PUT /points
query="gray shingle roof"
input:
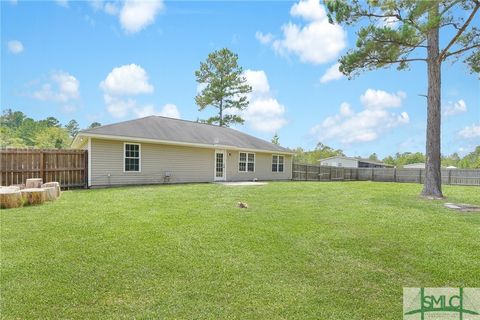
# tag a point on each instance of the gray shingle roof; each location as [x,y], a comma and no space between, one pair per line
[183,131]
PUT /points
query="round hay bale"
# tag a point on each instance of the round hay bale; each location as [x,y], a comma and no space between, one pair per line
[19,186]
[10,198]
[33,196]
[55,185]
[50,193]
[10,188]
[34,183]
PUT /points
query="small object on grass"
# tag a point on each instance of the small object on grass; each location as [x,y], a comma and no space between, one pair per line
[34,183]
[10,198]
[33,196]
[242,205]
[462,207]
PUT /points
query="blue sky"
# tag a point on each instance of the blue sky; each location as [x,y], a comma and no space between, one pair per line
[114,61]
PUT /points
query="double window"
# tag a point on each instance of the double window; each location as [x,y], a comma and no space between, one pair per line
[131,157]
[277,163]
[246,162]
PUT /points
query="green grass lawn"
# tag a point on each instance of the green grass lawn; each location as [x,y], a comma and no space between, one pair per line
[300,251]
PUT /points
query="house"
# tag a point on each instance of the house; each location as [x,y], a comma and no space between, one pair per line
[421,165]
[418,165]
[156,149]
[349,162]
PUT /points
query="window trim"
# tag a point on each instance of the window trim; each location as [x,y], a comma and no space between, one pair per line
[246,161]
[139,157]
[278,163]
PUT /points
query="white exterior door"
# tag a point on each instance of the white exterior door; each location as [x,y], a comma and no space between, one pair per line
[220,167]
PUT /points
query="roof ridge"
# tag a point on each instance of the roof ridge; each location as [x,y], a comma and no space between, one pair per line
[116,123]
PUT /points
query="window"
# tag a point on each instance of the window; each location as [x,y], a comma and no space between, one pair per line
[277,163]
[246,162]
[132,157]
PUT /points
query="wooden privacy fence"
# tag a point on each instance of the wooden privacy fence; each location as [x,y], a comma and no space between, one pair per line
[308,172]
[68,167]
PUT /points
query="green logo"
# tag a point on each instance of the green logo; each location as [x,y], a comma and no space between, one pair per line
[441,303]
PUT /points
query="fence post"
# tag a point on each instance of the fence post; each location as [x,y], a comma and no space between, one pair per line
[420,176]
[394,174]
[42,171]
[449,176]
[373,176]
[329,173]
[85,171]
[318,177]
[306,172]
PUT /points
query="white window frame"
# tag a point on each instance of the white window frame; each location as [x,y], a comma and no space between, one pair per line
[278,163]
[139,157]
[246,161]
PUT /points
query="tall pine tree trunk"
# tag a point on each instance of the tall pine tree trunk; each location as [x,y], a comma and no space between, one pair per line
[433,180]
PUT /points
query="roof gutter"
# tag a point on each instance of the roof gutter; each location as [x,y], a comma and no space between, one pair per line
[79,138]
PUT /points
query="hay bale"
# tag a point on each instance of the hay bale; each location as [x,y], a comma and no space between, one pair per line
[33,196]
[50,193]
[34,183]
[10,198]
[19,186]
[11,188]
[55,185]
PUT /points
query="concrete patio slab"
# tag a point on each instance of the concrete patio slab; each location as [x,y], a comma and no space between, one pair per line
[243,183]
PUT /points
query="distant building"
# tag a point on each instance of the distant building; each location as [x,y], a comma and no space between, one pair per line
[421,165]
[348,162]
[418,165]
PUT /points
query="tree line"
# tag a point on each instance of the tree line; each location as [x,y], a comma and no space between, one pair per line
[17,130]
[322,151]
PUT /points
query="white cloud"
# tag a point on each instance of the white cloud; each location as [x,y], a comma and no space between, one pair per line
[62,87]
[129,79]
[15,46]
[119,107]
[111,8]
[68,108]
[316,42]
[346,110]
[62,3]
[136,15]
[310,10]
[121,85]
[264,113]
[200,87]
[454,108]
[367,125]
[379,99]
[258,81]
[264,38]
[169,110]
[332,73]
[470,132]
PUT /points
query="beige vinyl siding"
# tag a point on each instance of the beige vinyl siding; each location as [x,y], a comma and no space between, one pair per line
[185,164]
[263,167]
